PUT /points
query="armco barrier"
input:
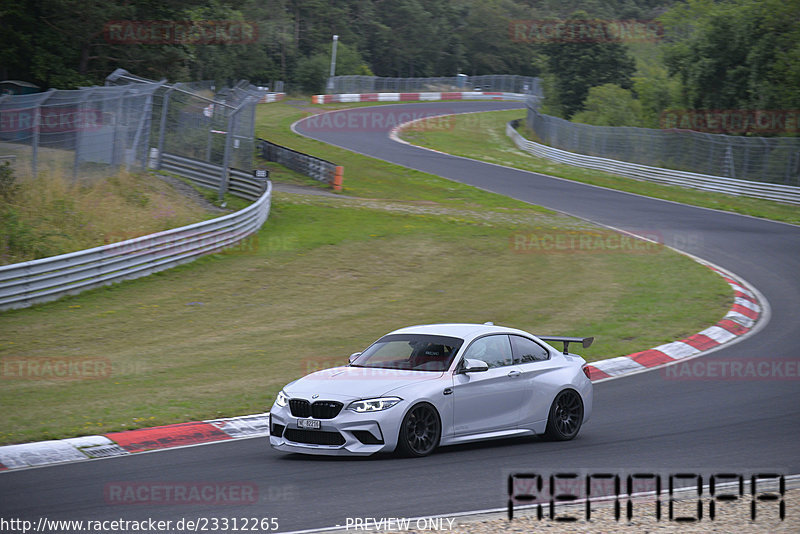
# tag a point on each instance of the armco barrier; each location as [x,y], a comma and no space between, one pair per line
[204,174]
[31,282]
[705,182]
[316,168]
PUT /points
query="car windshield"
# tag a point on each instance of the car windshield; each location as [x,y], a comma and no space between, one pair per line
[418,352]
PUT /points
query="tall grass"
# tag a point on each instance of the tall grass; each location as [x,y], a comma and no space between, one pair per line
[52,214]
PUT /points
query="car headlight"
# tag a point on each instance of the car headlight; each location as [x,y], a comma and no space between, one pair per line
[281,400]
[373,405]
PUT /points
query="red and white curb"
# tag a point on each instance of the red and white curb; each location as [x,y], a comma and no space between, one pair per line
[132,441]
[748,307]
[414,97]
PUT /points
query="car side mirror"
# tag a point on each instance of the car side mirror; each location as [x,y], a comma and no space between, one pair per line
[353,357]
[475,366]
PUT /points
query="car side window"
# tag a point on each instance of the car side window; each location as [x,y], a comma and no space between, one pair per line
[526,350]
[495,350]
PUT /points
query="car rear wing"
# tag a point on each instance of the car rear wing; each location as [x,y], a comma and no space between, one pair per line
[585,341]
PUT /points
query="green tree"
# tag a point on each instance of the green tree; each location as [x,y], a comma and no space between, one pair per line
[656,91]
[577,66]
[312,72]
[610,105]
[736,54]
[60,43]
[489,46]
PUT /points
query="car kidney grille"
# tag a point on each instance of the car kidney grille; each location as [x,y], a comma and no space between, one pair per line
[317,410]
[326,409]
[313,437]
[300,407]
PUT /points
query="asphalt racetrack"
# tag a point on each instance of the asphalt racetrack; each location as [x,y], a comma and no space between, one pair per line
[646,422]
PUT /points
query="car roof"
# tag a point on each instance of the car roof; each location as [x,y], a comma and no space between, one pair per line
[466,331]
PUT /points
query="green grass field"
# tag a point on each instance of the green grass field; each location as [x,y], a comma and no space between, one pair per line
[323,278]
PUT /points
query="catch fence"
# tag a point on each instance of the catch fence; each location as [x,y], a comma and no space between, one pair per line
[130,123]
[763,159]
[505,83]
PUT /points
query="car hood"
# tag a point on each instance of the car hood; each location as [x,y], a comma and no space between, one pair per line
[352,383]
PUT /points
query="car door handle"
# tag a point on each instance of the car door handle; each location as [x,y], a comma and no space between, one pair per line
[514,374]
[448,391]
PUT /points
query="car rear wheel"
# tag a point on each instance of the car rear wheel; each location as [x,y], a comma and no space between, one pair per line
[566,416]
[420,431]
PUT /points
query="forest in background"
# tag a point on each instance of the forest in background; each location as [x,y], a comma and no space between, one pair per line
[732,54]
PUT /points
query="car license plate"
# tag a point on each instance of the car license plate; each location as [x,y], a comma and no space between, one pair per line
[308,424]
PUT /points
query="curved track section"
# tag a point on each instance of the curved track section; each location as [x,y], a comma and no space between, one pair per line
[644,421]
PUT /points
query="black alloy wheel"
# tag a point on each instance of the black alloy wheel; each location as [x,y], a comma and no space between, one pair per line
[566,416]
[420,431]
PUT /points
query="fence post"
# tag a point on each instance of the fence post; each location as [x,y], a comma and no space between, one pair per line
[792,162]
[223,181]
[144,126]
[209,137]
[81,104]
[37,121]
[117,123]
[162,126]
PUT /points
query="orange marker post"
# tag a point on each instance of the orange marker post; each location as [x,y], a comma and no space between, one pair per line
[338,178]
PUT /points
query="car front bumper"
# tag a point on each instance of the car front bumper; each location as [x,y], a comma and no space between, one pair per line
[348,432]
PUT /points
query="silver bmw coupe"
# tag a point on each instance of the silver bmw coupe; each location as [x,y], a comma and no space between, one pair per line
[422,387]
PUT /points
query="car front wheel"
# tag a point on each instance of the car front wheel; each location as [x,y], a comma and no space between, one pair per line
[566,416]
[420,431]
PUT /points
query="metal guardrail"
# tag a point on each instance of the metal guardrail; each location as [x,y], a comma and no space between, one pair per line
[316,168]
[705,182]
[43,280]
[204,174]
